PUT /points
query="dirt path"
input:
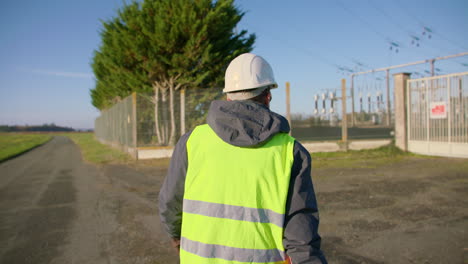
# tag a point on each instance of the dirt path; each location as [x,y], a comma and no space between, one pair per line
[413,211]
[56,209]
[37,203]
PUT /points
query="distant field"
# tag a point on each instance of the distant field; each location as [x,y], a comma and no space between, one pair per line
[95,152]
[13,144]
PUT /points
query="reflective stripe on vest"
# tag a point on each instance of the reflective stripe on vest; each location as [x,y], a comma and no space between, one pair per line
[233,212]
[234,200]
[231,253]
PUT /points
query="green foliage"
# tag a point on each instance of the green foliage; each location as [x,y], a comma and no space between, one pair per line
[197,104]
[171,43]
[12,144]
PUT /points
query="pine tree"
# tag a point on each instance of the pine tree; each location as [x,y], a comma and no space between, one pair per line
[165,46]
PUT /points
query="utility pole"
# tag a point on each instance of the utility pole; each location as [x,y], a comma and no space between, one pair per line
[344,119]
[388,97]
[352,102]
[432,67]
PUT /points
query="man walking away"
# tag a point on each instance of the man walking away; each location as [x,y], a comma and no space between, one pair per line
[239,188]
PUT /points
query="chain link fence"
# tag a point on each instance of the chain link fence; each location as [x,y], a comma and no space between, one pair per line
[131,123]
[115,126]
[324,122]
[189,109]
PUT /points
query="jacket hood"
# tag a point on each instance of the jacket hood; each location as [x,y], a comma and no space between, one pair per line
[245,123]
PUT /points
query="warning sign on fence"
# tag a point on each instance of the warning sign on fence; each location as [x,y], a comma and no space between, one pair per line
[438,110]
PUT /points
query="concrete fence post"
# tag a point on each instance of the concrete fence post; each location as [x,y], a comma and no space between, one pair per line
[182,112]
[134,126]
[400,81]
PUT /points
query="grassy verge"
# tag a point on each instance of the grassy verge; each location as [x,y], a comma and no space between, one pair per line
[13,144]
[370,158]
[95,152]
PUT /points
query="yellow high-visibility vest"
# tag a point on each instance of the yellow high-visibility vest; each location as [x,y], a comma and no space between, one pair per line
[235,200]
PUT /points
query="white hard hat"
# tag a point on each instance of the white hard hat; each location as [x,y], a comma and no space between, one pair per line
[248,71]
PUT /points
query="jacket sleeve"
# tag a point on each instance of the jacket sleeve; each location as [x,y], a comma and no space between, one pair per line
[301,239]
[172,191]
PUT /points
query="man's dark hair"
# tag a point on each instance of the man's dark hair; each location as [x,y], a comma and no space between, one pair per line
[260,98]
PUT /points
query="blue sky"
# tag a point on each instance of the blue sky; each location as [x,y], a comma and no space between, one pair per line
[46,48]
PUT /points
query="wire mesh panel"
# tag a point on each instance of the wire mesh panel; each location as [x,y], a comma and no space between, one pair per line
[418,114]
[325,120]
[459,108]
[176,115]
[197,103]
[371,100]
[115,125]
[438,115]
[163,129]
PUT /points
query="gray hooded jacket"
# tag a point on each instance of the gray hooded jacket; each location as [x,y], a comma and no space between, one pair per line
[248,124]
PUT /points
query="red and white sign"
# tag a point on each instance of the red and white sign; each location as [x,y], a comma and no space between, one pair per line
[438,110]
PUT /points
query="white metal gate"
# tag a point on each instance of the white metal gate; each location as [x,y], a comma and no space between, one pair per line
[438,115]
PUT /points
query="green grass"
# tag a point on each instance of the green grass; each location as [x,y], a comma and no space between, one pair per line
[13,144]
[370,158]
[95,152]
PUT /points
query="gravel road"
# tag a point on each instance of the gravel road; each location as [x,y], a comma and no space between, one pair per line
[55,208]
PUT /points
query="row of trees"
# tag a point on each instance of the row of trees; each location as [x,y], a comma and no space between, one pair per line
[161,46]
[43,128]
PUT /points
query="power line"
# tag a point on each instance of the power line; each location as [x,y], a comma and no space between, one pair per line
[415,39]
[394,45]
[289,44]
[399,26]
[339,67]
[426,29]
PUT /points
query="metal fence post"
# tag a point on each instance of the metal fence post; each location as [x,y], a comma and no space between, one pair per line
[387,84]
[288,106]
[449,111]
